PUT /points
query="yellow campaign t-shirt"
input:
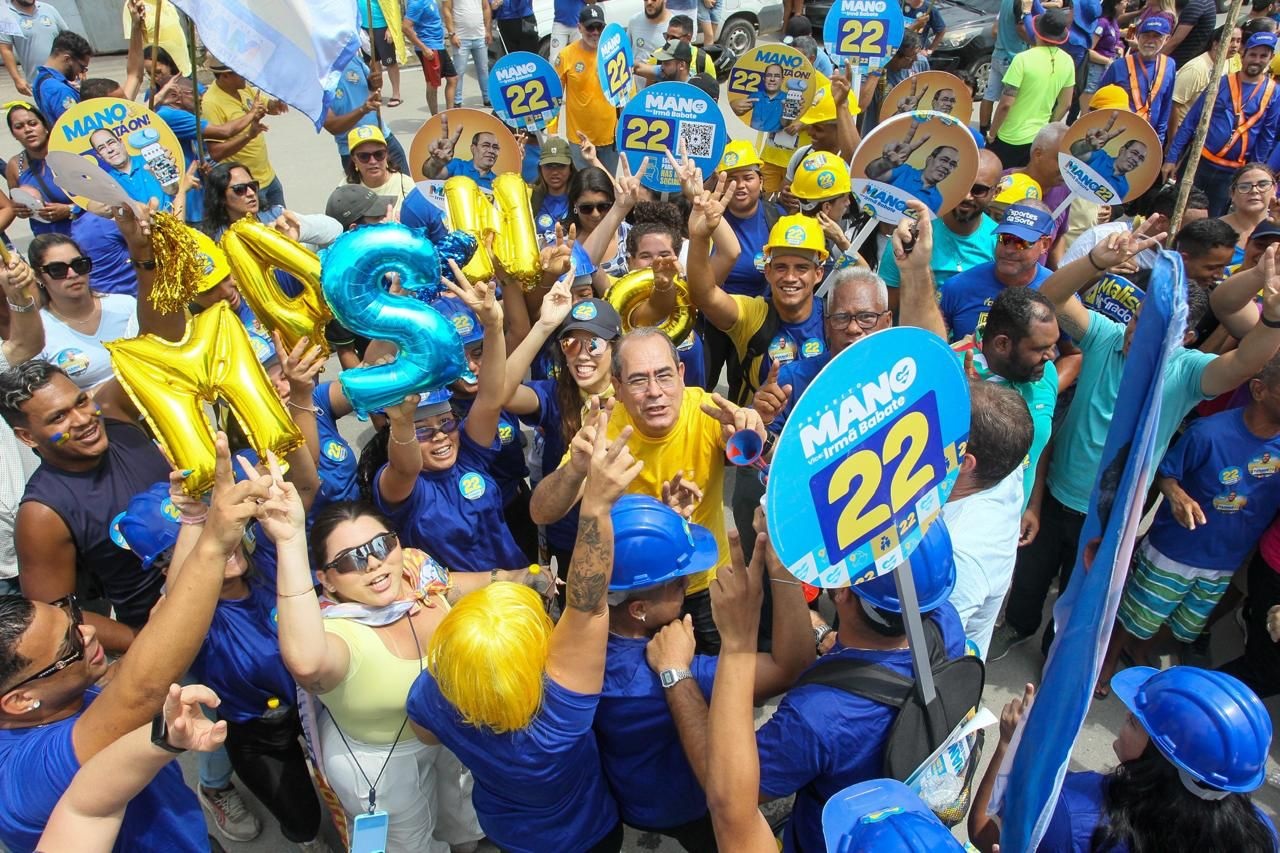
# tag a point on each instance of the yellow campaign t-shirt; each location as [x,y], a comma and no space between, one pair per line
[585,107]
[219,108]
[1040,73]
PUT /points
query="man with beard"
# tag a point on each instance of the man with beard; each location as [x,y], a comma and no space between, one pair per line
[1147,75]
[1113,170]
[586,110]
[892,168]
[484,154]
[648,32]
[1242,125]
[766,104]
[963,238]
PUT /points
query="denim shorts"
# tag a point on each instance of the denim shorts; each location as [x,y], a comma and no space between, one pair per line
[715,14]
[995,81]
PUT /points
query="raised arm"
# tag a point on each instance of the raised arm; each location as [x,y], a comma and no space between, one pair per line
[26,330]
[793,647]
[1232,301]
[984,831]
[557,492]
[600,245]
[135,224]
[706,293]
[578,641]
[912,247]
[482,421]
[555,307]
[133,61]
[165,647]
[1257,347]
[1061,287]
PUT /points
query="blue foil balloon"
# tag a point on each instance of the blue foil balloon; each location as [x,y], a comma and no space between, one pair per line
[458,246]
[431,353]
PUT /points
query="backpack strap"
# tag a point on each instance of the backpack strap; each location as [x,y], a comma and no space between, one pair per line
[757,346]
[871,680]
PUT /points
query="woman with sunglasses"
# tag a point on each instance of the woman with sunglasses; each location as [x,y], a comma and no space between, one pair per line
[438,485]
[76,318]
[357,644]
[591,196]
[1253,191]
[370,167]
[231,193]
[30,177]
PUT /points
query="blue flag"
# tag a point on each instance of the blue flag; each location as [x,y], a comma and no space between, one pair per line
[293,50]
[1033,773]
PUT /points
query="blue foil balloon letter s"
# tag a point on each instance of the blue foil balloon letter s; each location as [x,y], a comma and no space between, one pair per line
[430,350]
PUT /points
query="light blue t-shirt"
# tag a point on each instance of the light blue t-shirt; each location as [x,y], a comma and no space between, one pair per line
[1008,44]
[349,96]
[1078,451]
[909,179]
[379,20]
[952,253]
[766,111]
[1105,165]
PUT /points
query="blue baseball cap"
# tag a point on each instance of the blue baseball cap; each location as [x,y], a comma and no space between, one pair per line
[149,525]
[1155,25]
[462,318]
[434,403]
[1267,40]
[883,815]
[1026,222]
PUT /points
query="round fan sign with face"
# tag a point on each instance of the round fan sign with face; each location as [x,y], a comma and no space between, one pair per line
[927,156]
[936,91]
[478,146]
[1110,156]
[867,458]
[770,87]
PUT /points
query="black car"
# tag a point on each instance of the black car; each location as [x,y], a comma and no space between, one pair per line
[966,47]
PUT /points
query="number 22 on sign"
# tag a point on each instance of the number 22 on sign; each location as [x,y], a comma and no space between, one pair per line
[646,134]
[617,71]
[881,493]
[859,37]
[527,97]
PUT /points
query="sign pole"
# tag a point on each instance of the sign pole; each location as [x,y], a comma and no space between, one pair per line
[915,631]
[195,84]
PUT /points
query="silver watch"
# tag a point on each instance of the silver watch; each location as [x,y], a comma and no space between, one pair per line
[671,677]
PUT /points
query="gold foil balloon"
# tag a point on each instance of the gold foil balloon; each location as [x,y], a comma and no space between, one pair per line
[171,382]
[626,294]
[255,251]
[470,211]
[516,244]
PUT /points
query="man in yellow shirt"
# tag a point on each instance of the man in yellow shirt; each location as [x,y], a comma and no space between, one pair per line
[586,110]
[230,98]
[678,433]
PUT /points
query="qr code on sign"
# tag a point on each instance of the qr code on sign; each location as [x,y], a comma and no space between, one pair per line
[698,136]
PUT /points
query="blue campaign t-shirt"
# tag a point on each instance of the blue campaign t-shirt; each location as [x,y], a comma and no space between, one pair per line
[967,296]
[456,515]
[467,169]
[183,125]
[792,342]
[1231,474]
[909,179]
[165,815]
[102,241]
[351,93]
[691,356]
[417,212]
[797,374]
[240,659]
[537,789]
[746,276]
[510,469]
[425,16]
[766,111]
[515,9]
[337,465]
[935,24]
[53,93]
[561,534]
[639,746]
[566,12]
[822,739]
[554,208]
[952,253]
[140,184]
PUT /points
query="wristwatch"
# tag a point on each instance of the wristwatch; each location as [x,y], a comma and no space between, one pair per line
[671,677]
[160,735]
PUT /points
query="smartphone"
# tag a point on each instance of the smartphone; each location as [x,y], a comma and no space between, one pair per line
[369,833]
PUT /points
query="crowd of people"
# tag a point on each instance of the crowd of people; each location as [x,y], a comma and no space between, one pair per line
[539,605]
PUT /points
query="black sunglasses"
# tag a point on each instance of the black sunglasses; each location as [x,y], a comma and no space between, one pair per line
[600,207]
[594,28]
[357,559]
[74,640]
[61,269]
[979,190]
[241,189]
[378,154]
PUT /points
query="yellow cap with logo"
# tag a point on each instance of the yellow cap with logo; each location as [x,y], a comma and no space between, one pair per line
[1015,187]
[821,176]
[365,133]
[796,233]
[739,154]
[213,261]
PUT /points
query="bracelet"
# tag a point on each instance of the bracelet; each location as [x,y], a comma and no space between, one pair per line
[148,264]
[1270,324]
[315,410]
[493,576]
[820,633]
[22,309]
[395,440]
[1095,263]
[294,594]
[192,519]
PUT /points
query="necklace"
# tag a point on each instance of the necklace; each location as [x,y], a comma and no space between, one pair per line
[93,319]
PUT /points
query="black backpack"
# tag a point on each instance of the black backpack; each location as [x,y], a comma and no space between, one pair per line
[919,729]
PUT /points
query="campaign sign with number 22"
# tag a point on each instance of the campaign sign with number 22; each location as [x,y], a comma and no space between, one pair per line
[866,31]
[526,91]
[613,65]
[867,458]
[670,116]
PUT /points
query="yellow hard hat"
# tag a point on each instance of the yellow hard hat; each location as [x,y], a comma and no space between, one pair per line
[821,176]
[822,109]
[365,133]
[1015,187]
[739,154]
[213,261]
[797,233]
[1109,97]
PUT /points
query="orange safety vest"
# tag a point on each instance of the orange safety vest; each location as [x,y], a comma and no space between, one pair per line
[1139,71]
[1241,133]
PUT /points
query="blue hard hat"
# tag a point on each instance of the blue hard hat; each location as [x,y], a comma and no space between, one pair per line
[933,567]
[653,544]
[462,318]
[883,815]
[582,265]
[1206,723]
[149,526]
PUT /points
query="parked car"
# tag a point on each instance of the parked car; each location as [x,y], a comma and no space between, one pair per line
[743,21]
[965,49]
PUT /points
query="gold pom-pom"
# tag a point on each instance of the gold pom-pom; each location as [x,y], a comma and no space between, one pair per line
[178,267]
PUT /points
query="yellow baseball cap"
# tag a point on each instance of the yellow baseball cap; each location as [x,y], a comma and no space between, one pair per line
[739,154]
[796,233]
[1017,186]
[1109,97]
[213,261]
[364,133]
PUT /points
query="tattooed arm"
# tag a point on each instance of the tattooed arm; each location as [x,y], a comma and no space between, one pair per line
[578,641]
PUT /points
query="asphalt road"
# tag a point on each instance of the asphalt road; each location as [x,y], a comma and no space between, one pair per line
[309,167]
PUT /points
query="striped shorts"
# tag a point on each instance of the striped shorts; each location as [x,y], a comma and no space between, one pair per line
[1162,590]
